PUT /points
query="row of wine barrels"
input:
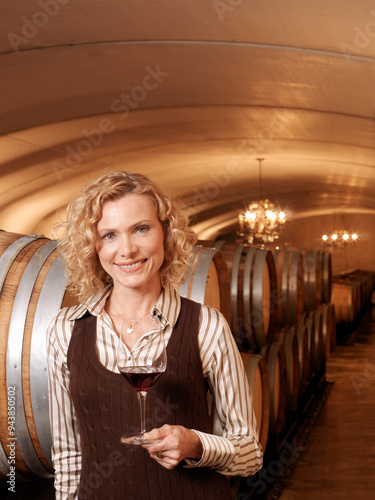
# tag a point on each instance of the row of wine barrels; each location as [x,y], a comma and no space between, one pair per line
[32,285]
[305,347]
[296,352]
[253,289]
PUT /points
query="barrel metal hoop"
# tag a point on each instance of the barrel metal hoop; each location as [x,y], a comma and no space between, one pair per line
[293,294]
[285,287]
[247,296]
[9,255]
[314,281]
[199,279]
[183,289]
[258,299]
[49,303]
[234,289]
[219,244]
[14,354]
[4,464]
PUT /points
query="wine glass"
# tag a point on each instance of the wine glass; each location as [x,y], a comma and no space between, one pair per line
[141,372]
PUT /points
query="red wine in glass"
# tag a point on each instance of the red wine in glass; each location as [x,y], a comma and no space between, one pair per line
[141,377]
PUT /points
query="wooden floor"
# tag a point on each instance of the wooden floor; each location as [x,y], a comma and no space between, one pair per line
[339,458]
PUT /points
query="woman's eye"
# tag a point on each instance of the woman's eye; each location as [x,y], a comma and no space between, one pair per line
[142,229]
[107,236]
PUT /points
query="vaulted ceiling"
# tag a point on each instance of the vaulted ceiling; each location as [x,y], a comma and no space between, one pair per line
[191,93]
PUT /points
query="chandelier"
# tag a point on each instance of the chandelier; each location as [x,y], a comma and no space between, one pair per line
[261,223]
[339,239]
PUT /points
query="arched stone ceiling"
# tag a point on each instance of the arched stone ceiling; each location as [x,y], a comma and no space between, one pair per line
[190,93]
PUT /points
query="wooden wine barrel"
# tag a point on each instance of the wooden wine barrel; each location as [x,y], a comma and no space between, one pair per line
[308,321]
[360,282]
[32,285]
[313,320]
[319,353]
[252,290]
[312,279]
[351,291]
[207,281]
[345,300]
[289,340]
[276,366]
[367,282]
[329,327]
[257,377]
[289,271]
[326,268]
[304,354]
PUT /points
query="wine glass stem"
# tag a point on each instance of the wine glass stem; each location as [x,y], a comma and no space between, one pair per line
[141,395]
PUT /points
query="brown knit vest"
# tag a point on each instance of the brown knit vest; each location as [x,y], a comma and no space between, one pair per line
[106,407]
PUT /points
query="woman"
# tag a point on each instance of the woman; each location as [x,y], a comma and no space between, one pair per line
[126,246]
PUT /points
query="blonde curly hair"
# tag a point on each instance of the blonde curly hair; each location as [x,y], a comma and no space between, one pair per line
[77,243]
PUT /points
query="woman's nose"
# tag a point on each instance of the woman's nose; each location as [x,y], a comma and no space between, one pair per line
[127,246]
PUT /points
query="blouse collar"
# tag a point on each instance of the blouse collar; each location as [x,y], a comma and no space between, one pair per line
[166,309]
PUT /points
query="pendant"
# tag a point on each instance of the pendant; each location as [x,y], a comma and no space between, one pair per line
[129,329]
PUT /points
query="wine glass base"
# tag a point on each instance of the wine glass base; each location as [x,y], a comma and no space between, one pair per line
[139,439]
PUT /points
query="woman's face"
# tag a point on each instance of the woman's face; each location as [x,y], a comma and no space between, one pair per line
[130,242]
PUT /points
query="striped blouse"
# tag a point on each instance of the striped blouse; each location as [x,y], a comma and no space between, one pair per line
[233,450]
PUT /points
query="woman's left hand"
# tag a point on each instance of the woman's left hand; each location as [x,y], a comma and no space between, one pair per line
[177,443]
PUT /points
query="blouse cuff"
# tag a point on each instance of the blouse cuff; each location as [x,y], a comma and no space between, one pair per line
[218,452]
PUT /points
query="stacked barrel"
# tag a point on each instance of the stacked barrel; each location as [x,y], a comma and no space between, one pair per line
[282,317]
[281,306]
[318,316]
[32,286]
[351,293]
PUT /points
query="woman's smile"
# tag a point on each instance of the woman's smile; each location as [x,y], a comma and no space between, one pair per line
[133,266]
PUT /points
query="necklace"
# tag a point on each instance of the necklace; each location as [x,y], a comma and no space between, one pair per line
[131,323]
